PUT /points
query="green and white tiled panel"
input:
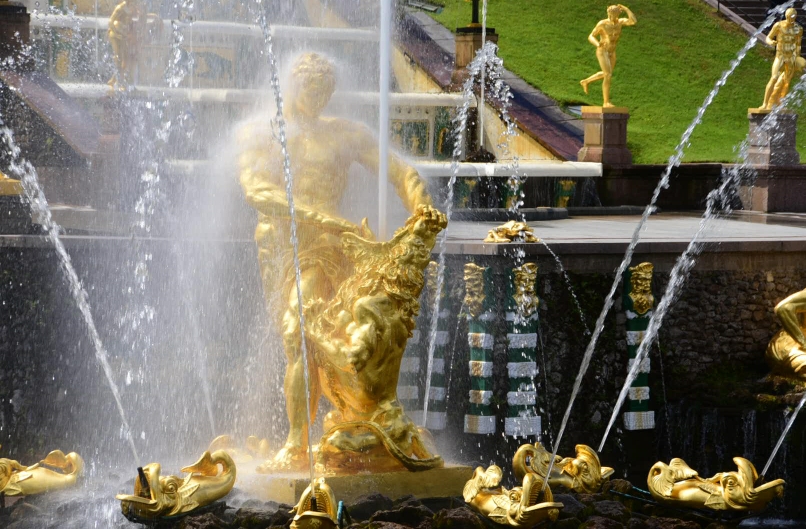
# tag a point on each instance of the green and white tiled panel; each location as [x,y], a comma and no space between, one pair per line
[409,385]
[480,417]
[639,420]
[437,393]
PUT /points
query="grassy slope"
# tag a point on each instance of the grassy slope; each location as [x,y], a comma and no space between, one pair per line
[667,64]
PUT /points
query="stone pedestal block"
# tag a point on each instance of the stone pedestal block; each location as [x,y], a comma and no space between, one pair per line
[14,28]
[605,136]
[775,146]
[468,42]
[435,483]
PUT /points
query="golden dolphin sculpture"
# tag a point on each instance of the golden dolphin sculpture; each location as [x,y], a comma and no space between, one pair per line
[582,473]
[157,496]
[523,506]
[679,484]
[323,515]
[56,471]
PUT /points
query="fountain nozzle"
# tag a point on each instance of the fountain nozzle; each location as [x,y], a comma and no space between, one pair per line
[145,487]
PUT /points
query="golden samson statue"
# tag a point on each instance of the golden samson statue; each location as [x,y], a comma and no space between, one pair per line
[605,37]
[346,336]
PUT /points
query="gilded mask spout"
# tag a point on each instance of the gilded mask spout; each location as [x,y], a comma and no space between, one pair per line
[56,471]
[322,514]
[155,496]
[524,506]
[680,485]
[583,473]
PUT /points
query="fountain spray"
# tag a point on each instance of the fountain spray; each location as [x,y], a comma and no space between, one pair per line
[289,181]
[673,162]
[717,205]
[40,209]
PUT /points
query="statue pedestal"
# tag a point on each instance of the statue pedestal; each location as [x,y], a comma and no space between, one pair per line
[772,147]
[605,136]
[435,483]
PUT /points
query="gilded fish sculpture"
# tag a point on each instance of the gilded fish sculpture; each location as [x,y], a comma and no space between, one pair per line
[321,516]
[524,506]
[679,485]
[511,231]
[156,496]
[57,471]
[583,473]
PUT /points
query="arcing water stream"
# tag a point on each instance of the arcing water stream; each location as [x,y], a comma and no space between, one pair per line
[674,161]
[26,173]
[289,183]
[718,203]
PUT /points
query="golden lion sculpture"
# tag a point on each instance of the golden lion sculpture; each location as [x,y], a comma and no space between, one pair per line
[358,339]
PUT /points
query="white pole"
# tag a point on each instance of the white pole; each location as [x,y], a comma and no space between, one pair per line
[483,68]
[383,117]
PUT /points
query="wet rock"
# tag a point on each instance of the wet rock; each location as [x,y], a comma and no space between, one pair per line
[618,485]
[600,522]
[249,518]
[459,518]
[566,523]
[571,506]
[670,523]
[438,504]
[409,515]
[611,509]
[637,523]
[203,521]
[365,506]
[588,499]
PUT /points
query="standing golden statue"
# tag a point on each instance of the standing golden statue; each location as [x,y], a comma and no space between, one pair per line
[128,26]
[785,36]
[321,151]
[786,352]
[677,484]
[605,37]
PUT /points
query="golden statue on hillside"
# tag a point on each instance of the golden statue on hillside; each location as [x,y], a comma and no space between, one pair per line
[786,352]
[321,151]
[785,36]
[605,37]
[128,27]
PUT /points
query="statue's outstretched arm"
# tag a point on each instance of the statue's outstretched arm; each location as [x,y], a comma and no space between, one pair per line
[788,310]
[630,20]
[409,186]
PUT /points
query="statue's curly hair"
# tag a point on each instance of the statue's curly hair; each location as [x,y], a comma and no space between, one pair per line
[313,69]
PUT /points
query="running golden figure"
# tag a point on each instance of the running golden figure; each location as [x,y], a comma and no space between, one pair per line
[605,37]
[785,36]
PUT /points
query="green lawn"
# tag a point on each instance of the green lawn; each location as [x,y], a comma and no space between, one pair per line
[667,64]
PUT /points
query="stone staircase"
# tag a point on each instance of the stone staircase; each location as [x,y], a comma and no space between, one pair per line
[753,12]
